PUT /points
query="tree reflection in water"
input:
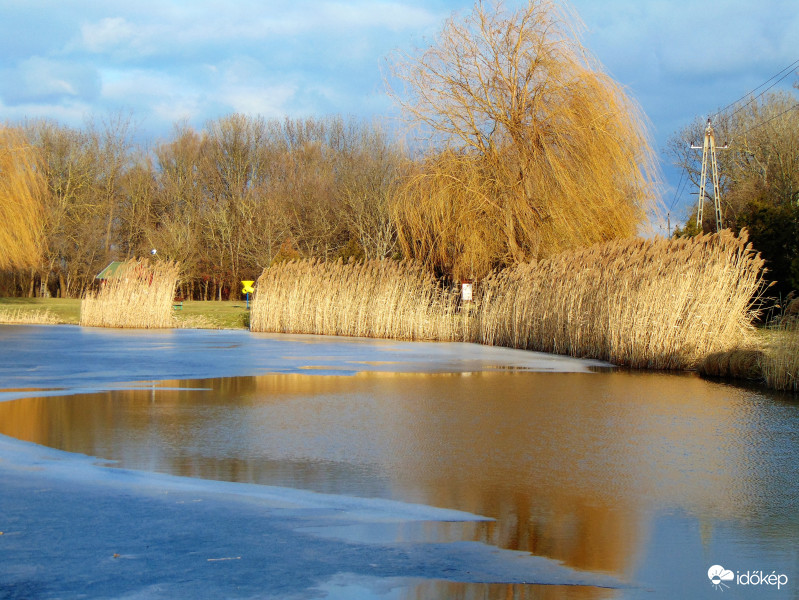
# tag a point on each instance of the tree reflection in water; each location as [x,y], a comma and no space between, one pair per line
[572,466]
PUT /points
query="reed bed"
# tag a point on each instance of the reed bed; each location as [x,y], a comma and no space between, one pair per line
[780,362]
[376,298]
[659,304]
[738,363]
[140,297]
[644,303]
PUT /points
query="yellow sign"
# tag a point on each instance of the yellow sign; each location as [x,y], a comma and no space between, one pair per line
[247,289]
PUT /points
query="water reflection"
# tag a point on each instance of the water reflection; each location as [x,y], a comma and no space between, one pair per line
[572,466]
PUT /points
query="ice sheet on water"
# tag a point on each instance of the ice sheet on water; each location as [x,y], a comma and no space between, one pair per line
[68,359]
[296,519]
[78,468]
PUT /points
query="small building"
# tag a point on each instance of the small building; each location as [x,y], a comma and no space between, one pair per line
[113,271]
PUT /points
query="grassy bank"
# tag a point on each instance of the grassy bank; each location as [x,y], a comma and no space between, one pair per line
[655,304]
[40,310]
[192,314]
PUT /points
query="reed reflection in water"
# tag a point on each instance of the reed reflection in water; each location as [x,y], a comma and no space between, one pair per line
[572,466]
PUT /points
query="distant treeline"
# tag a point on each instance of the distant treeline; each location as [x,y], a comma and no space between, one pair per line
[530,150]
[225,202]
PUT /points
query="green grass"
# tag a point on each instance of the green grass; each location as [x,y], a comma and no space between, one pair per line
[210,315]
[65,310]
[218,315]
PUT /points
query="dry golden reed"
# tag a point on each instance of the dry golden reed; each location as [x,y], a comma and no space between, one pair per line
[780,362]
[140,297]
[738,363]
[22,189]
[660,304]
[376,298]
[647,303]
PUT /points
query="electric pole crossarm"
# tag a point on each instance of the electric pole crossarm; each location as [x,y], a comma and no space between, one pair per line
[709,147]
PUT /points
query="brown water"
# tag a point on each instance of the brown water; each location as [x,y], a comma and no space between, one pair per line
[623,473]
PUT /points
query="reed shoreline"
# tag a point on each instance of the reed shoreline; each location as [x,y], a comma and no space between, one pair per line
[656,304]
[737,365]
[660,304]
[685,304]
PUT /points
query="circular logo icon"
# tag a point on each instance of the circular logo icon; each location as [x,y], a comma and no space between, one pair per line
[718,575]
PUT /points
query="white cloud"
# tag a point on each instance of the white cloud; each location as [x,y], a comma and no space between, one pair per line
[70,112]
[202,58]
[684,59]
[272,101]
[394,16]
[190,29]
[107,34]
[38,79]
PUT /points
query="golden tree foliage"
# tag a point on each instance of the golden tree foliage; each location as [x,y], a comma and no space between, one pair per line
[21,193]
[543,151]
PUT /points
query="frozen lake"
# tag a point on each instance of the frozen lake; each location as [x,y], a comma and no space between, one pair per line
[459,470]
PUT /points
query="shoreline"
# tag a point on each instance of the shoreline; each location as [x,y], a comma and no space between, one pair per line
[740,365]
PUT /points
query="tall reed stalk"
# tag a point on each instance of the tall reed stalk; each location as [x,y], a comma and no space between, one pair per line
[661,304]
[376,298]
[648,303]
[780,361]
[140,297]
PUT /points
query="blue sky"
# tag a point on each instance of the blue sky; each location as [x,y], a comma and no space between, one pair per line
[165,61]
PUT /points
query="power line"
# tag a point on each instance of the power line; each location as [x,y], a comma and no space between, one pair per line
[677,190]
[759,95]
[777,116]
[784,72]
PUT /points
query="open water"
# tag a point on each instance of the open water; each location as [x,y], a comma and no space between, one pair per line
[651,478]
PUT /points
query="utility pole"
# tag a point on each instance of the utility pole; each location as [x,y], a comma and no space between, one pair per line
[709,145]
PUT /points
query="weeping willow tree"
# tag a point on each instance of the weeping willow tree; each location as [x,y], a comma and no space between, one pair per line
[537,149]
[21,194]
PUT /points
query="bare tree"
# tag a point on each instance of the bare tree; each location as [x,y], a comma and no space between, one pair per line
[225,201]
[232,165]
[368,180]
[758,176]
[76,212]
[539,145]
